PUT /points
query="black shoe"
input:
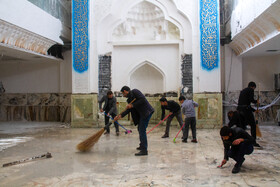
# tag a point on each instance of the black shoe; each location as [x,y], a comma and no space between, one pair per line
[117,133]
[165,136]
[182,137]
[185,141]
[140,148]
[194,141]
[236,169]
[256,145]
[142,153]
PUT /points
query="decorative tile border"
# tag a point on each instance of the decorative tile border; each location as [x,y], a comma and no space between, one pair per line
[80,40]
[209,34]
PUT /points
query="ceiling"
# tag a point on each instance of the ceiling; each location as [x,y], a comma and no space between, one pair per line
[267,48]
[10,54]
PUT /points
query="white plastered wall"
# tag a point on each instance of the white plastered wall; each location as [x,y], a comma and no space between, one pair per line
[37,77]
[23,77]
[261,70]
[125,59]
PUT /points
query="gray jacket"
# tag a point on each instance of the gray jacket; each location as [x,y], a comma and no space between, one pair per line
[112,103]
[188,108]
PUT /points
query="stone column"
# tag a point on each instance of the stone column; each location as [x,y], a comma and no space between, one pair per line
[84,105]
[209,97]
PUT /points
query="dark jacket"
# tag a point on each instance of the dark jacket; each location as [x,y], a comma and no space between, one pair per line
[110,104]
[172,106]
[237,120]
[246,97]
[236,134]
[141,107]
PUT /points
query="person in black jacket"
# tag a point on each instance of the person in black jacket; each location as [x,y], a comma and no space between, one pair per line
[246,97]
[110,108]
[141,112]
[237,143]
[175,110]
[236,119]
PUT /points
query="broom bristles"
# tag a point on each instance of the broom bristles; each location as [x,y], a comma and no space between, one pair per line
[87,144]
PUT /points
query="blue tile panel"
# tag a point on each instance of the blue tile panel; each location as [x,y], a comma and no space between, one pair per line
[80,40]
[209,34]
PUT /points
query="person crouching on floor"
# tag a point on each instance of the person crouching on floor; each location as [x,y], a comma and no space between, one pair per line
[237,143]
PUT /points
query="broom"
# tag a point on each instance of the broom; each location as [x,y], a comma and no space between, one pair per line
[87,144]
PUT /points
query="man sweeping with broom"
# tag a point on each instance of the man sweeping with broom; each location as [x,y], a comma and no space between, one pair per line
[246,97]
[141,112]
[110,108]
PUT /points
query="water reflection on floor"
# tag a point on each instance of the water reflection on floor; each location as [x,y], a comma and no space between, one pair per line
[111,162]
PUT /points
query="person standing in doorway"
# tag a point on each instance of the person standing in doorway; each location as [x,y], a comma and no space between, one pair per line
[175,110]
[141,112]
[110,108]
[188,109]
[246,97]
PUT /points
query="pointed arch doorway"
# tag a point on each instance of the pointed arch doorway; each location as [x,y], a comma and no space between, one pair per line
[147,77]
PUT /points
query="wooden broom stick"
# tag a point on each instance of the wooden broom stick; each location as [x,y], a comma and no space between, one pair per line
[258,132]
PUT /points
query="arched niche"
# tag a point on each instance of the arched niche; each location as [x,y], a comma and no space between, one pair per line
[148,78]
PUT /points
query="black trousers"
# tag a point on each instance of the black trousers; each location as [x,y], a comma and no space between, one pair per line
[249,119]
[237,152]
[107,121]
[191,121]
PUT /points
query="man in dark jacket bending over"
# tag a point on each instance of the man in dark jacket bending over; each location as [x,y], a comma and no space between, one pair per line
[141,112]
[237,143]
[110,108]
[236,119]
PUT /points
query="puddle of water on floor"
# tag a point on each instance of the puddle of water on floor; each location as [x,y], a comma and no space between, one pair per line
[10,142]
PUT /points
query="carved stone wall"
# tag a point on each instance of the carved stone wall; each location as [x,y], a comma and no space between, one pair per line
[104,77]
[187,75]
[266,97]
[35,107]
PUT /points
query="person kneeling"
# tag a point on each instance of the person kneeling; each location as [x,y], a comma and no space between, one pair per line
[237,143]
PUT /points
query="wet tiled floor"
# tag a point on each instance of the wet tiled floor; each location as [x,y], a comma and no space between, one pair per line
[111,162]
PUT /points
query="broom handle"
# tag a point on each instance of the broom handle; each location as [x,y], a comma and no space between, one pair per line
[48,155]
[179,132]
[258,101]
[159,122]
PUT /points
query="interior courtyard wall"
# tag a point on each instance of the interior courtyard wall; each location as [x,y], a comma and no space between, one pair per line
[261,70]
[126,59]
[25,77]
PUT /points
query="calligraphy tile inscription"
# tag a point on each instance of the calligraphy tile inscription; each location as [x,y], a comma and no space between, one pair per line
[209,34]
[80,40]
